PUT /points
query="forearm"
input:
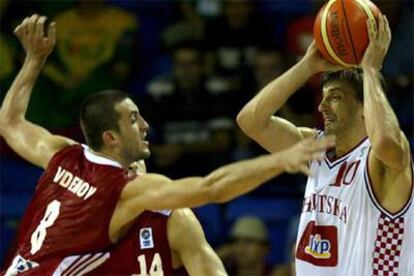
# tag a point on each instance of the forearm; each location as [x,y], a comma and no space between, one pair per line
[257,113]
[380,120]
[242,177]
[17,98]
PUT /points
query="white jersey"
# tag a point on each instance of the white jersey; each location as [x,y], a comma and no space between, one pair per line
[343,230]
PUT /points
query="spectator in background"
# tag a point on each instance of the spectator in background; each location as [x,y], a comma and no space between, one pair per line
[192,115]
[246,253]
[269,63]
[7,53]
[399,64]
[189,26]
[94,51]
[7,60]
[232,39]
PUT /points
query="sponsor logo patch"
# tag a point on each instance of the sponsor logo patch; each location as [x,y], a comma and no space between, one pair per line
[319,245]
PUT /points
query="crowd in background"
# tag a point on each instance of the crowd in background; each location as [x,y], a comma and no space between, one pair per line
[191,66]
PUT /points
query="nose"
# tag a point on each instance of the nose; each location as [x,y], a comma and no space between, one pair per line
[144,125]
[322,105]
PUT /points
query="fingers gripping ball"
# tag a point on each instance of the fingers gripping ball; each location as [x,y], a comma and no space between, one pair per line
[340,30]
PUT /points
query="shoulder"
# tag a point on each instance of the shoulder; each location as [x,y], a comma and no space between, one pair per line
[183,216]
[66,152]
[183,222]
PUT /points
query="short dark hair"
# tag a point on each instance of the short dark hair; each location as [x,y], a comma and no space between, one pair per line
[98,114]
[353,77]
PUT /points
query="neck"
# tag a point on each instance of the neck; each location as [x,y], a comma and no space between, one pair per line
[112,156]
[349,139]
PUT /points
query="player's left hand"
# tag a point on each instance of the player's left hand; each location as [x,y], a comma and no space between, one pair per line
[379,42]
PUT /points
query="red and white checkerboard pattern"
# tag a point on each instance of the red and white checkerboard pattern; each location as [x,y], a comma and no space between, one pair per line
[388,246]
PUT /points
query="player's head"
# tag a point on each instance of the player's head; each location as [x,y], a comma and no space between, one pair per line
[342,100]
[110,120]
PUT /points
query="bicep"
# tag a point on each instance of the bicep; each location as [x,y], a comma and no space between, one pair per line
[34,143]
[281,134]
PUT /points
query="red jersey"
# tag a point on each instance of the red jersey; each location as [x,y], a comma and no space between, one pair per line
[145,250]
[69,214]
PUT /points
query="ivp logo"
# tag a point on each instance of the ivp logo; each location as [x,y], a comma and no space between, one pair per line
[318,248]
[318,245]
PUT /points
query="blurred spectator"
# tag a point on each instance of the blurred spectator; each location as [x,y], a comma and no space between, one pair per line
[288,268]
[246,253]
[190,26]
[191,113]
[232,39]
[399,64]
[8,60]
[94,51]
[8,57]
[268,64]
[299,32]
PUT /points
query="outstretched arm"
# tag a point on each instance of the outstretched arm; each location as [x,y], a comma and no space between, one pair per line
[389,144]
[155,192]
[256,118]
[32,142]
[187,240]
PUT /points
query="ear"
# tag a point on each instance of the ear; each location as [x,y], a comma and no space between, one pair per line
[110,138]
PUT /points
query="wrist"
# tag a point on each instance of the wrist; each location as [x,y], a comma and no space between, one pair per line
[307,68]
[277,163]
[369,69]
[35,60]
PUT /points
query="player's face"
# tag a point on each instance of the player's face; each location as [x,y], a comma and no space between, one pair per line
[132,132]
[339,107]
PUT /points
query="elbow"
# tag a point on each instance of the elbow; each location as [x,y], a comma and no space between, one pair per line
[7,124]
[242,120]
[4,124]
[246,122]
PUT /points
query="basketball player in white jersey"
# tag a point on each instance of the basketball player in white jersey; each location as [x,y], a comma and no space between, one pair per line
[357,216]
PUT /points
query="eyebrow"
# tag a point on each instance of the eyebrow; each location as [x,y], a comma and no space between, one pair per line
[332,90]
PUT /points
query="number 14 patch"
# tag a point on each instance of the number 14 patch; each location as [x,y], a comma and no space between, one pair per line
[319,245]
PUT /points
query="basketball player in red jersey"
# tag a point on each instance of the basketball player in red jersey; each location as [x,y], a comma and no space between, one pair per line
[86,200]
[164,242]
[357,216]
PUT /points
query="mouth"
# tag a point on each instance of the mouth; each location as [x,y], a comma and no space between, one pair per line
[328,119]
[145,142]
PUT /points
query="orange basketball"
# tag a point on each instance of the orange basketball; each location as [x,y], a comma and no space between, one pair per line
[341,32]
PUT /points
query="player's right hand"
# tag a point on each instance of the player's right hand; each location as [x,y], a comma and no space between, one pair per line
[317,63]
[33,38]
[297,158]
